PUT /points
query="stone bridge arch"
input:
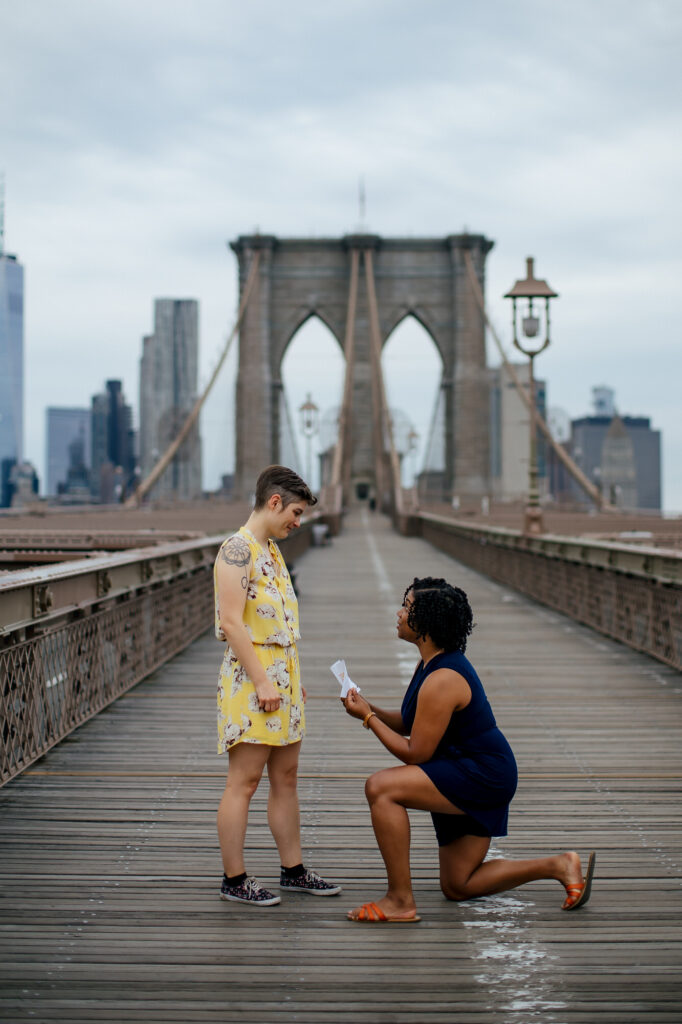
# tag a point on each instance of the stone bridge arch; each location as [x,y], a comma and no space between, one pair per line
[422,277]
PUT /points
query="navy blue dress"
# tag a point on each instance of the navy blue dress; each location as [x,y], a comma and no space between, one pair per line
[473,765]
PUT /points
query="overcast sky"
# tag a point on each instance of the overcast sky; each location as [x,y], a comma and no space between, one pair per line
[137,138]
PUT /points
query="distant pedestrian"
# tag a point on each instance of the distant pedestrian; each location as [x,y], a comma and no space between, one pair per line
[457,765]
[261,714]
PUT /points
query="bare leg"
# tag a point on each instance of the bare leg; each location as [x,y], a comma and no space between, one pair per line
[247,761]
[464,875]
[392,830]
[283,812]
[389,793]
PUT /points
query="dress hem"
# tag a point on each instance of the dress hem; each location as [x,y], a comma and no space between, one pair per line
[260,743]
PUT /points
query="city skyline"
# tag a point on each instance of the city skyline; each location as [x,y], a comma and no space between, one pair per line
[558,139]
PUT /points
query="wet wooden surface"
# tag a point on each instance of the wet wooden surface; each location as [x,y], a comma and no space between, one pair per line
[109,863]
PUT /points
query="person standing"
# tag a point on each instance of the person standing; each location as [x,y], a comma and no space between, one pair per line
[261,713]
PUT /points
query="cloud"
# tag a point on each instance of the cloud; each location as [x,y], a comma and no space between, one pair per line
[139,138]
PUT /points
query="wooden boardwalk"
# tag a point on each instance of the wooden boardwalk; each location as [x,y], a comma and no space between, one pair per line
[109,863]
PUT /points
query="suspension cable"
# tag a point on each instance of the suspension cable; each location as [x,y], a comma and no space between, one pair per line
[382,412]
[342,447]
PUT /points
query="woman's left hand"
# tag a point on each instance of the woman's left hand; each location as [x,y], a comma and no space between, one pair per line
[355,704]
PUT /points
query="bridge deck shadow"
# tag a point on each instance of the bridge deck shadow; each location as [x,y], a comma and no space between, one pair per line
[110,865]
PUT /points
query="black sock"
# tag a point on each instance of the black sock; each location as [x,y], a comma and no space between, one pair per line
[294,872]
[236,879]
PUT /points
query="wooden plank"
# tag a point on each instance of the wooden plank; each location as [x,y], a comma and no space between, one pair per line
[109,863]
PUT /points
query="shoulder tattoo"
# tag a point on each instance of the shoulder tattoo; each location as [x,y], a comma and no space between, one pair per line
[235,551]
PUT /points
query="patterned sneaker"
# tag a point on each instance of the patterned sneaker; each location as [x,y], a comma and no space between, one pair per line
[248,891]
[309,881]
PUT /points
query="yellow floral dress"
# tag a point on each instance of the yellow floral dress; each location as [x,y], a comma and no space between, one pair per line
[271,620]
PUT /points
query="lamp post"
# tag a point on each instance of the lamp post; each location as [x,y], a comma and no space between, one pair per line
[309,425]
[412,445]
[533,291]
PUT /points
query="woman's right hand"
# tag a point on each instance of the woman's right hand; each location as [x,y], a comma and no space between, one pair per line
[356,705]
[268,697]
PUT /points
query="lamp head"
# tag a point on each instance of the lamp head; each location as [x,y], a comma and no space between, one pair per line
[309,416]
[530,287]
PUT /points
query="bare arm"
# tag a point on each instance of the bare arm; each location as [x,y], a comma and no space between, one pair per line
[393,719]
[232,573]
[442,693]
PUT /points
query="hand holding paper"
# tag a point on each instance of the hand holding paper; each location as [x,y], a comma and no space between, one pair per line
[339,670]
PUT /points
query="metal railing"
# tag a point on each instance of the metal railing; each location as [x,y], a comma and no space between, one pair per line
[75,637]
[632,594]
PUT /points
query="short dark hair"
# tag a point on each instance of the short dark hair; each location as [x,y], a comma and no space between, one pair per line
[286,483]
[440,611]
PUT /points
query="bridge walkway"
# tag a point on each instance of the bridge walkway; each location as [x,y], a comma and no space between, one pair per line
[109,864]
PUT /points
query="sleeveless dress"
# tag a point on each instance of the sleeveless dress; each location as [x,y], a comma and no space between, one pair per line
[271,621]
[473,765]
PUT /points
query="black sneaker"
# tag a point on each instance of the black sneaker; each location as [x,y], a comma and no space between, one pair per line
[309,881]
[248,891]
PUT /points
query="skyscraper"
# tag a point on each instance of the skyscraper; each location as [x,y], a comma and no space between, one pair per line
[11,355]
[510,434]
[169,370]
[620,454]
[112,444]
[64,426]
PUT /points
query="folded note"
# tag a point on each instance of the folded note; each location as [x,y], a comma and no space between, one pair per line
[339,670]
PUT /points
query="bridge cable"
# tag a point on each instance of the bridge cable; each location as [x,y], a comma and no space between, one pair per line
[146,485]
[343,441]
[576,472]
[383,420]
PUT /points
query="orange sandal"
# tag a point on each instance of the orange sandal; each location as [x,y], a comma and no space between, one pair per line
[371,913]
[578,895]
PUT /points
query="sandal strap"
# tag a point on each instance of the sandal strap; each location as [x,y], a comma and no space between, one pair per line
[370,912]
[573,894]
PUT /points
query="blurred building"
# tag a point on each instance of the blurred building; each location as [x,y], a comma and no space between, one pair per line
[510,434]
[604,401]
[112,445]
[76,486]
[11,355]
[64,426]
[6,487]
[169,374]
[18,484]
[560,483]
[620,454]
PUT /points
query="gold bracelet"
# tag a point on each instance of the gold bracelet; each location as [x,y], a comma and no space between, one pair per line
[365,721]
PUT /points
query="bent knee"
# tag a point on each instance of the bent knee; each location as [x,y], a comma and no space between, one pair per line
[452,891]
[370,789]
[376,786]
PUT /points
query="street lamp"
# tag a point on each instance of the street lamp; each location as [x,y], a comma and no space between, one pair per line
[309,425]
[412,445]
[534,291]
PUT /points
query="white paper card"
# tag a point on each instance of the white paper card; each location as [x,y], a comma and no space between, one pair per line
[339,670]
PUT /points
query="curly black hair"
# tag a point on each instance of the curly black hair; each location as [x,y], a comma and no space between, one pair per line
[441,612]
